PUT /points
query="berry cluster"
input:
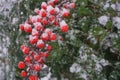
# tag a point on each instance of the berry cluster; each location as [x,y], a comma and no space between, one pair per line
[41,34]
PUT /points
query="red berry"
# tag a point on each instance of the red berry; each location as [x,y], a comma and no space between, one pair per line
[65,5]
[42,54]
[35,32]
[44,22]
[56,1]
[52,18]
[48,31]
[21,65]
[44,36]
[56,23]
[37,67]
[52,11]
[65,13]
[27,59]
[23,73]
[49,47]
[26,50]
[72,5]
[51,3]
[32,77]
[41,60]
[37,11]
[53,36]
[33,19]
[32,53]
[22,27]
[33,39]
[40,44]
[23,46]
[39,18]
[36,57]
[43,13]
[27,28]
[38,26]
[64,28]
[44,5]
[46,54]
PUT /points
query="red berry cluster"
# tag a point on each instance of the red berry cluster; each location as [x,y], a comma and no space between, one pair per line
[41,34]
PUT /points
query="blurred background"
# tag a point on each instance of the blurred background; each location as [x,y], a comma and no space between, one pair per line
[89,51]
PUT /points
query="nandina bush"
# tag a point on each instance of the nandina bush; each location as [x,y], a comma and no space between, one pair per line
[88,51]
[41,30]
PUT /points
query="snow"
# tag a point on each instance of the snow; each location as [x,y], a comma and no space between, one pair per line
[113,6]
[104,62]
[49,8]
[84,76]
[15,20]
[106,6]
[57,9]
[118,6]
[75,68]
[47,77]
[103,20]
[6,6]
[62,23]
[4,43]
[116,22]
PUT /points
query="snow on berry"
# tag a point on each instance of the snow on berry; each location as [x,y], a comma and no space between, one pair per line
[57,10]
[44,5]
[50,10]
[41,33]
[35,32]
[39,18]
[40,44]
[43,13]
[33,19]
[51,2]
[65,12]
[27,59]
[45,37]
[72,5]
[38,26]
[44,21]
[48,31]
[37,67]
[33,39]
[37,11]
[49,47]
[63,26]
[26,50]
[27,28]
